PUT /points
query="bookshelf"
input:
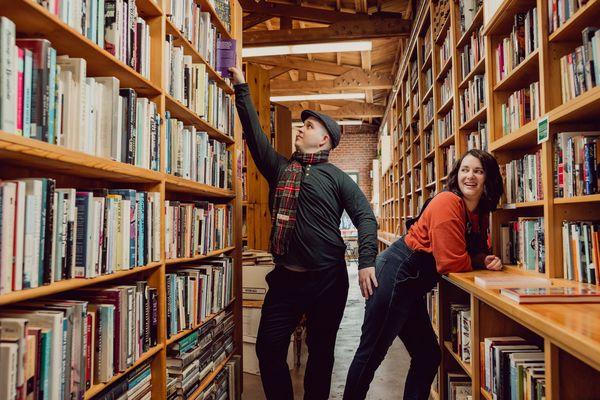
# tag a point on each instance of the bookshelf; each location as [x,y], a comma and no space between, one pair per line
[567,342]
[22,157]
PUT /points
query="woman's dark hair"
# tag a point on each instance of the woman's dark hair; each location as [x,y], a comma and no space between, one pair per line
[493,187]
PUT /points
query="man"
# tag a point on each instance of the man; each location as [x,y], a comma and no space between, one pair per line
[307,197]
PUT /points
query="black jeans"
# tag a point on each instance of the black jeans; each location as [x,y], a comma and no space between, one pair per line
[397,309]
[322,297]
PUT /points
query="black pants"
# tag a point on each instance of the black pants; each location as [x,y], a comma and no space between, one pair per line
[322,297]
[397,309]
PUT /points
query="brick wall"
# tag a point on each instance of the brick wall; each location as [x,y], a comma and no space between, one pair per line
[356,151]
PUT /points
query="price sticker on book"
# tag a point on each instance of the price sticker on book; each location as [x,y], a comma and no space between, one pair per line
[543,131]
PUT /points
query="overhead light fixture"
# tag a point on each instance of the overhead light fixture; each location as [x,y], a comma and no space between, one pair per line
[344,122]
[323,96]
[332,47]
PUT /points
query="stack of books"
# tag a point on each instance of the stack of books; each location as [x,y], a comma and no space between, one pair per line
[576,164]
[580,70]
[523,179]
[472,99]
[581,251]
[523,106]
[137,385]
[257,257]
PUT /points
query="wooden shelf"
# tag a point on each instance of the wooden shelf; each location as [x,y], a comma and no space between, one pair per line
[528,204]
[186,332]
[70,284]
[427,61]
[96,389]
[430,154]
[181,112]
[523,137]
[200,257]
[430,185]
[148,8]
[448,141]
[570,31]
[444,70]
[177,184]
[444,31]
[189,49]
[475,24]
[567,325]
[447,106]
[427,95]
[38,154]
[34,20]
[478,69]
[471,124]
[208,379]
[582,108]
[592,198]
[428,124]
[520,76]
[465,366]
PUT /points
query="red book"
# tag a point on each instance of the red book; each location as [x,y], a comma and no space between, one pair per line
[21,68]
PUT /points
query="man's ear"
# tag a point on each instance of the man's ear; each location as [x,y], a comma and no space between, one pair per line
[324,140]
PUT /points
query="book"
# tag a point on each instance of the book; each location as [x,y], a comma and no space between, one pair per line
[226,56]
[554,294]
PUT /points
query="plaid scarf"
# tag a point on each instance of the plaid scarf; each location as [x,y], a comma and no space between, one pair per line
[283,214]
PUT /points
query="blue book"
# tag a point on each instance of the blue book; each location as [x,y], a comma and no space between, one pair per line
[100,23]
[141,212]
[131,196]
[51,95]
[45,365]
[27,78]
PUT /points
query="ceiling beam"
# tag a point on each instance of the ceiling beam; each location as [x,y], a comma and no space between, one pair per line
[299,63]
[311,14]
[285,23]
[340,31]
[352,110]
[276,71]
[365,60]
[254,19]
[355,79]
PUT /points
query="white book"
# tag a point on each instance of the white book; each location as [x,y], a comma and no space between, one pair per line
[100,23]
[89,137]
[98,222]
[78,68]
[67,112]
[9,192]
[19,235]
[8,375]
[110,117]
[8,76]
[118,237]
[58,129]
[33,233]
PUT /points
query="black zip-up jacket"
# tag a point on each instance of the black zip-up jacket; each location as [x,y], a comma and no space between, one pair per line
[316,243]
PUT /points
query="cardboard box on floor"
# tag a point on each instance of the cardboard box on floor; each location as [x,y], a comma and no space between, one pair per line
[254,284]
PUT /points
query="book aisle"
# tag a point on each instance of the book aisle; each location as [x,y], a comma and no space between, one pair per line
[135,224]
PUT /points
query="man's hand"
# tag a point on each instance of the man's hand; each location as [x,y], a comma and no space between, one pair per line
[367,281]
[238,76]
[492,263]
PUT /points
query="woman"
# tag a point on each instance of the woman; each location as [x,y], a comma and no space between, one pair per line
[449,236]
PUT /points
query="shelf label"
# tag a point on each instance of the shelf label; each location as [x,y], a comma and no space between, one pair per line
[543,130]
[510,206]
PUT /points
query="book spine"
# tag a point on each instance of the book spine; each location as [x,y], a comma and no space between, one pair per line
[8,76]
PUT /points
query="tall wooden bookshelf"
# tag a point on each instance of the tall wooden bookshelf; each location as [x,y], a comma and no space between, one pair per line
[24,157]
[568,333]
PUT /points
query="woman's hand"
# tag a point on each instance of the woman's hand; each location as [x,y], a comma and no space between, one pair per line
[492,263]
[238,76]
[367,281]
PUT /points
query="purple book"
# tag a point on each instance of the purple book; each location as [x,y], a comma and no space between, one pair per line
[226,56]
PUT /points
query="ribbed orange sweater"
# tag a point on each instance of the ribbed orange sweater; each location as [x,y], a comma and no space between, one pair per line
[441,232]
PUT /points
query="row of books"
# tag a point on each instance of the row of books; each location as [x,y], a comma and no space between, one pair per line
[459,386]
[416,178]
[467,9]
[522,243]
[513,368]
[523,106]
[427,44]
[559,12]
[197,292]
[193,155]
[523,179]
[460,330]
[446,89]
[448,158]
[429,172]
[576,164]
[478,139]
[473,98]
[472,53]
[224,386]
[136,385]
[189,83]
[114,25]
[415,103]
[191,359]
[581,251]
[414,73]
[223,10]
[580,70]
[431,301]
[196,26]
[429,138]
[445,126]
[59,347]
[196,228]
[428,75]
[522,41]
[51,98]
[50,234]
[428,110]
[445,52]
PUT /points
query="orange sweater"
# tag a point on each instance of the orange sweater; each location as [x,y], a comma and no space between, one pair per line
[441,232]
